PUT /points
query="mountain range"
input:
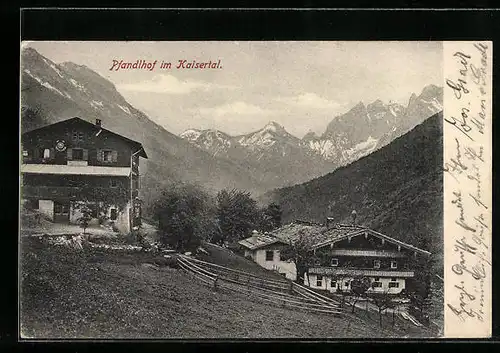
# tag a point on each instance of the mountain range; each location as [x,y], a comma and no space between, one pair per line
[348,137]
[280,157]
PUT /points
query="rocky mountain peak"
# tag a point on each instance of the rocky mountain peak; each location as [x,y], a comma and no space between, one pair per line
[191,134]
[30,52]
[431,90]
[358,107]
[310,136]
[413,98]
[273,126]
[377,103]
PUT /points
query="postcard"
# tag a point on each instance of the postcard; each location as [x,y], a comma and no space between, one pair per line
[255,189]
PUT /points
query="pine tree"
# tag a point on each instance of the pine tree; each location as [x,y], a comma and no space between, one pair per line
[237,214]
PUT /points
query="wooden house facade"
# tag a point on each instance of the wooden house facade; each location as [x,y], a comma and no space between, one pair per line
[75,162]
[339,255]
[386,263]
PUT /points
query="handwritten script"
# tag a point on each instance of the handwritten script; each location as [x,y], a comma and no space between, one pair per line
[467,187]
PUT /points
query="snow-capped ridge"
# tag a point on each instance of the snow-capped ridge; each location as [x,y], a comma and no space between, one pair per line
[125,109]
[47,85]
[348,137]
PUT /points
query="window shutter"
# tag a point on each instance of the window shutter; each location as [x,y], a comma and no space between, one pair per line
[36,153]
[114,156]
[85,155]
[99,155]
[52,153]
[69,154]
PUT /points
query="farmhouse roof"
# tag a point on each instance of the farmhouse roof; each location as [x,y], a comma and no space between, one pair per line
[137,145]
[318,236]
[259,241]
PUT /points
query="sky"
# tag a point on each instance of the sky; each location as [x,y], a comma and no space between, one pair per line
[300,85]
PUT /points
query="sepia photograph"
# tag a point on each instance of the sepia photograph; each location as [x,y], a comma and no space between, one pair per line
[248,189]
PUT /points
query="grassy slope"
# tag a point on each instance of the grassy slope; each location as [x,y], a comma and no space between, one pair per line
[95,295]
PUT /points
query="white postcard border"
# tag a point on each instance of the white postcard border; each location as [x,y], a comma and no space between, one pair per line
[467,183]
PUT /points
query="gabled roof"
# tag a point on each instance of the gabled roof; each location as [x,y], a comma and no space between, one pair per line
[314,233]
[135,144]
[259,241]
[318,236]
[359,232]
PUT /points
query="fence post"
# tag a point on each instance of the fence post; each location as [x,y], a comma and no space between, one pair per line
[215,282]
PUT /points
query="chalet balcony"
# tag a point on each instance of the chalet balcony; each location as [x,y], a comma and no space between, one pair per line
[64,169]
[366,253]
[333,271]
[63,192]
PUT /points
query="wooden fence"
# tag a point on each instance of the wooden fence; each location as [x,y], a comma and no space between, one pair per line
[280,293]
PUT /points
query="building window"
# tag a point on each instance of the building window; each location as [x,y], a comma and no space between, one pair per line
[77,136]
[113,183]
[376,284]
[46,153]
[376,263]
[393,284]
[394,264]
[393,279]
[107,156]
[94,210]
[25,153]
[113,214]
[319,281]
[333,284]
[61,208]
[31,204]
[335,262]
[77,154]
[346,284]
[269,255]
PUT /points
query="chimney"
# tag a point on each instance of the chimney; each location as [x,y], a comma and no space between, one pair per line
[254,235]
[329,222]
[98,122]
[353,216]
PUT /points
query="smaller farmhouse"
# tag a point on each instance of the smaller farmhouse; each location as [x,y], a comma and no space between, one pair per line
[339,254]
[266,251]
